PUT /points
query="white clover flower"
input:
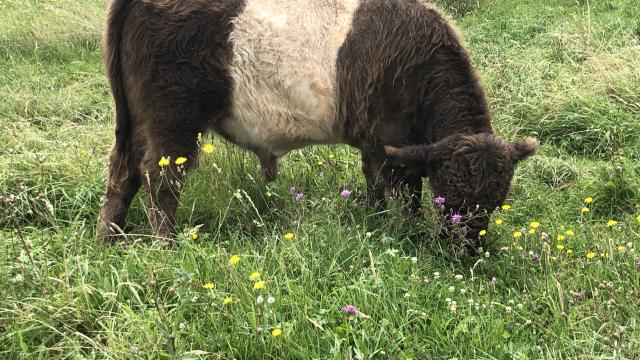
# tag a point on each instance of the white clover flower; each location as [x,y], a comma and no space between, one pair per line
[487,254]
[462,291]
[259,300]
[508,309]
[520,306]
[452,289]
[458,277]
[453,307]
[271,299]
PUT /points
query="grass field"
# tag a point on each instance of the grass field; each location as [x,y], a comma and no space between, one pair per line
[566,72]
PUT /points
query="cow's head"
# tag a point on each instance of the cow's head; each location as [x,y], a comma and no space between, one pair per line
[471,172]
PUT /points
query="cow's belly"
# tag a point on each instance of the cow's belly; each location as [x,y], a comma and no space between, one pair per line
[283,72]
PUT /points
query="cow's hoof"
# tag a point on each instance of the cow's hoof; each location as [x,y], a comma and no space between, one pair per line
[108,233]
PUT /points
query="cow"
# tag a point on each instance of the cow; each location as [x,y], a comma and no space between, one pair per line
[391,78]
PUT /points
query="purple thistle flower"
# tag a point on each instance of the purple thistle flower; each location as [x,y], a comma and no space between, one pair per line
[455,218]
[299,196]
[439,200]
[345,193]
[535,256]
[465,229]
[350,309]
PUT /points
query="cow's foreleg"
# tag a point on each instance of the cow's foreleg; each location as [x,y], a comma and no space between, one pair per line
[407,186]
[374,173]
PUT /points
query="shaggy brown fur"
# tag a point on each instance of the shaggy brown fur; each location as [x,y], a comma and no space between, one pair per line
[167,65]
[405,94]
[406,79]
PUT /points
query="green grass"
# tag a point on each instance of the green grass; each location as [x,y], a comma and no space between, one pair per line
[564,71]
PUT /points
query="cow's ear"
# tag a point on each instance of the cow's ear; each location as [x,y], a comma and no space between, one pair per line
[523,148]
[413,153]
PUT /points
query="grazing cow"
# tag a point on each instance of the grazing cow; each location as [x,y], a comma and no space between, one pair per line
[389,77]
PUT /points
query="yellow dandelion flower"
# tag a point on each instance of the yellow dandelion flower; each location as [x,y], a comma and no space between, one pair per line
[532,231]
[194,236]
[164,161]
[276,332]
[181,160]
[259,285]
[208,286]
[591,255]
[234,259]
[534,224]
[520,248]
[227,300]
[559,246]
[208,148]
[569,251]
[585,210]
[269,194]
[621,248]
[604,254]
[289,236]
[554,258]
[482,232]
[560,237]
[569,232]
[499,221]
[331,156]
[320,162]
[254,275]
[611,223]
[505,207]
[588,200]
[517,234]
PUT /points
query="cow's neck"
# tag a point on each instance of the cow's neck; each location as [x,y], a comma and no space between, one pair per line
[456,103]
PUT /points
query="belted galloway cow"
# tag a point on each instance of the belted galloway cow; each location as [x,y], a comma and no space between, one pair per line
[391,78]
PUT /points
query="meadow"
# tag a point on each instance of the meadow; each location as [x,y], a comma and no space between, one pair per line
[259,271]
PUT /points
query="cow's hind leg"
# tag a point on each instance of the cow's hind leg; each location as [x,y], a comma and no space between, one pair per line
[164,171]
[123,183]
